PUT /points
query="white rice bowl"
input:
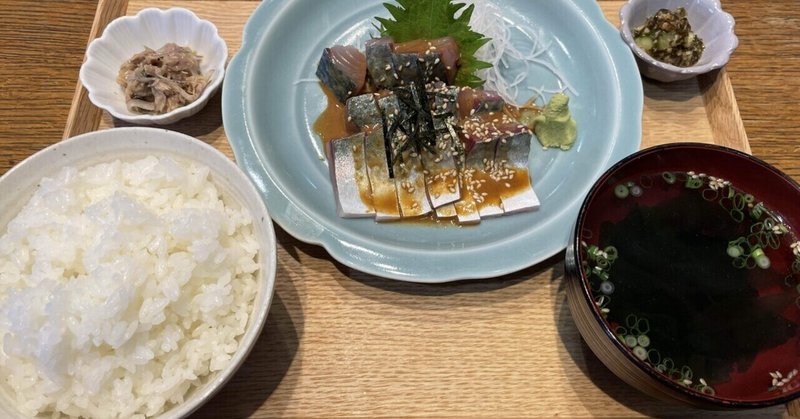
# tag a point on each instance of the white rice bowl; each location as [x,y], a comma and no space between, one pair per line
[134,277]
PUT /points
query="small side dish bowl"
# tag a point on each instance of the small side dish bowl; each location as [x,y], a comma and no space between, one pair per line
[707,19]
[683,276]
[152,28]
[231,187]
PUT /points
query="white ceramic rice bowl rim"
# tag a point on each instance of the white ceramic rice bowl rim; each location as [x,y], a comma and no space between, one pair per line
[151,13]
[19,183]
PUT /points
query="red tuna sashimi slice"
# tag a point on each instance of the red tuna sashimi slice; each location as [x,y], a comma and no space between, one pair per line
[344,70]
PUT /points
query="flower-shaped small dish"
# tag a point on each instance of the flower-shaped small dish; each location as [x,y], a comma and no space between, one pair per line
[683,276]
[708,21]
[151,28]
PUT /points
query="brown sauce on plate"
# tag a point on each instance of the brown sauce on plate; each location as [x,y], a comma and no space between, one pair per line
[332,123]
[495,190]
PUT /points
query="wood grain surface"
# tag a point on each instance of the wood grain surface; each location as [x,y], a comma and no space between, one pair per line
[83,115]
[342,343]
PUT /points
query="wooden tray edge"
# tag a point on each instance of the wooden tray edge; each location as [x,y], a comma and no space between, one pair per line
[723,111]
[83,116]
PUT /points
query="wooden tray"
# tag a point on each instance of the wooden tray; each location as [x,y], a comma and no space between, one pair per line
[343,343]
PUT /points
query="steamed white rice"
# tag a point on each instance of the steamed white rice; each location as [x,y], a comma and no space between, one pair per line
[121,287]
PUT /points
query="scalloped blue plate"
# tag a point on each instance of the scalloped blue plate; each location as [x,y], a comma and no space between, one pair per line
[269,106]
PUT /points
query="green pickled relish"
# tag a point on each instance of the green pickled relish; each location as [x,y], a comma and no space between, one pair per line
[667,36]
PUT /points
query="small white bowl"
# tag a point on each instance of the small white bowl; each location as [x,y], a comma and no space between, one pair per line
[151,28]
[708,21]
[19,184]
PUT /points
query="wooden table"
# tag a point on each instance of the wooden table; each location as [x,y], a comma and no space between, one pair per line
[342,343]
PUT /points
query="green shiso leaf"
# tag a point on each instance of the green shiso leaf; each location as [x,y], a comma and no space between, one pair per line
[431,19]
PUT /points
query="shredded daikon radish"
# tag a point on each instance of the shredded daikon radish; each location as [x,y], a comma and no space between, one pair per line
[510,65]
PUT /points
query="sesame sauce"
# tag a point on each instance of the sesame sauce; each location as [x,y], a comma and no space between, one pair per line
[332,123]
[492,187]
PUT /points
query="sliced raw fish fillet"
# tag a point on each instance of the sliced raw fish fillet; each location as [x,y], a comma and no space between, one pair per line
[441,172]
[410,183]
[488,126]
[380,63]
[472,101]
[441,165]
[516,191]
[466,207]
[407,165]
[450,55]
[384,192]
[447,211]
[363,112]
[439,56]
[484,192]
[343,69]
[444,100]
[408,69]
[349,176]
[389,107]
[433,69]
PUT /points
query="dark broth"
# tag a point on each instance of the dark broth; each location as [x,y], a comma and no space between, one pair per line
[677,297]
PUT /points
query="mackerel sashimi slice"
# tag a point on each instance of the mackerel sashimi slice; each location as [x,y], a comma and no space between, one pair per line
[344,70]
[346,160]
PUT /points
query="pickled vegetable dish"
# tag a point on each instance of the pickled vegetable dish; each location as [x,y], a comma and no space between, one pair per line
[667,36]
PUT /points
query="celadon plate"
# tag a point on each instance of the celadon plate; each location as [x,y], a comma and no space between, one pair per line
[270,102]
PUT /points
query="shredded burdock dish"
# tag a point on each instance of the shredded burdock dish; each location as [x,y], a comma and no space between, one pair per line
[158,81]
